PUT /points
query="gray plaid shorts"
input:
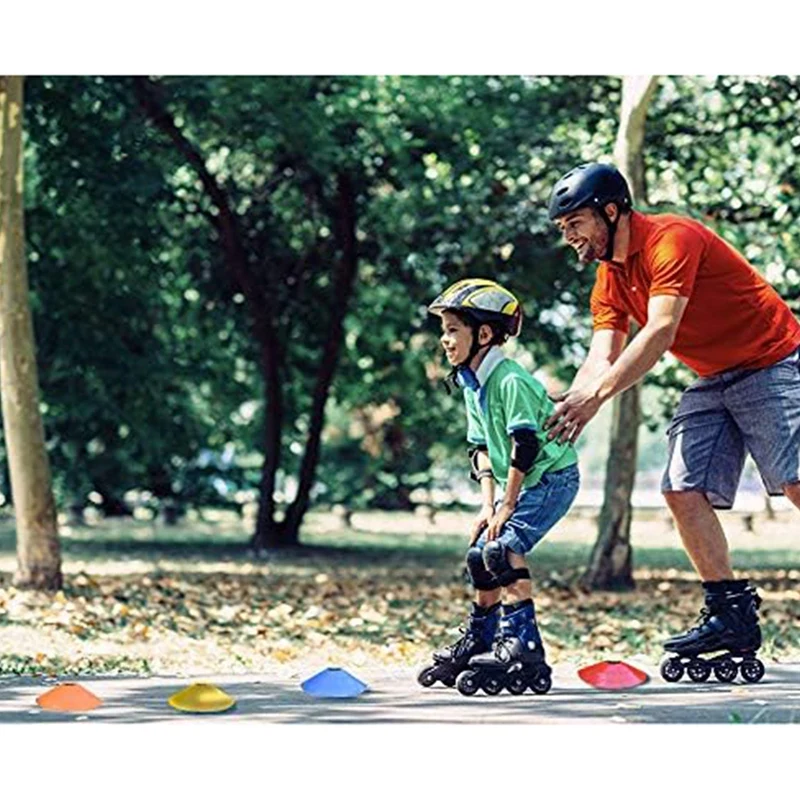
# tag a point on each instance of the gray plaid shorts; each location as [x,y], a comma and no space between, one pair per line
[721,418]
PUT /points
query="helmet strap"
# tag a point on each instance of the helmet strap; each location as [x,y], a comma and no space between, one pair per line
[611,226]
[474,349]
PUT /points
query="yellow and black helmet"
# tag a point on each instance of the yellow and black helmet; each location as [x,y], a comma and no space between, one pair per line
[482,300]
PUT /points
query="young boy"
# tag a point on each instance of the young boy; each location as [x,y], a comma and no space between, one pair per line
[506,410]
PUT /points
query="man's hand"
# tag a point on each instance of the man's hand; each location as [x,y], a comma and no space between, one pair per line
[573,411]
[501,516]
[481,521]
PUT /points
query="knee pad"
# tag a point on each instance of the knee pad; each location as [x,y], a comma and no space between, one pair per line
[495,558]
[479,576]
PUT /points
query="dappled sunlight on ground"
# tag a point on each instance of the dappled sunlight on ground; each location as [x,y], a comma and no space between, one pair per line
[185,601]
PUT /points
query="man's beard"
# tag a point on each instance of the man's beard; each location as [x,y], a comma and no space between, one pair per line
[588,254]
[593,252]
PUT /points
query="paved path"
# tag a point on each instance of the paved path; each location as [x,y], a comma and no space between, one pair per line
[395,696]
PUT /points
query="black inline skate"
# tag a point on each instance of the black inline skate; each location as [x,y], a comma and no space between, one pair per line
[728,626]
[478,638]
[517,662]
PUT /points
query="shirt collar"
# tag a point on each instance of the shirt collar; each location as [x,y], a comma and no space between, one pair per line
[637,235]
[638,231]
[474,379]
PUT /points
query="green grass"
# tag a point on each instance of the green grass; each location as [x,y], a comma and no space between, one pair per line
[129,540]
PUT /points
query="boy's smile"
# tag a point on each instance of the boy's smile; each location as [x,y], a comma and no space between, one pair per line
[456,338]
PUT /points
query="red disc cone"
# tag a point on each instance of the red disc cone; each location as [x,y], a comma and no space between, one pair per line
[612,675]
[70,697]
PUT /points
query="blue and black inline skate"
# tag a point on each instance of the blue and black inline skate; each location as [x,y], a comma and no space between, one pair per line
[728,626]
[517,661]
[478,637]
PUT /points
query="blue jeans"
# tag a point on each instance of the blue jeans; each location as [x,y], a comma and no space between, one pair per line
[538,509]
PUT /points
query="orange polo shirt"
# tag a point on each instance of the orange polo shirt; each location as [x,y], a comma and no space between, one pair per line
[734,318]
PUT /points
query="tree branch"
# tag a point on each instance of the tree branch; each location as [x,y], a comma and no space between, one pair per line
[259,303]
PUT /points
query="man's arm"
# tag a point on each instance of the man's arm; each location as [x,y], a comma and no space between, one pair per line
[580,404]
[604,350]
[664,313]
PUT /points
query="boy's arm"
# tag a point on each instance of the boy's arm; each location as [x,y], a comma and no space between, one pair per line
[520,405]
[480,459]
[487,480]
[504,511]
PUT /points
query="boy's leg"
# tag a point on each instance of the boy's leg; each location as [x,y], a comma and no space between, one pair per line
[487,590]
[486,599]
[522,589]
[481,627]
[518,661]
[537,512]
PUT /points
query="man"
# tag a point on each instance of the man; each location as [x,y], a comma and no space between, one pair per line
[692,294]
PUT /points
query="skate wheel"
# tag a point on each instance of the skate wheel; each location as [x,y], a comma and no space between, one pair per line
[541,684]
[493,684]
[698,671]
[752,670]
[468,683]
[516,684]
[725,671]
[672,670]
[427,677]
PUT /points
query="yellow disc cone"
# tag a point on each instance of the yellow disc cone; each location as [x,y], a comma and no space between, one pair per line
[201,698]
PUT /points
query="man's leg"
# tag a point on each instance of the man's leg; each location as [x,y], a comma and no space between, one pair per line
[705,461]
[766,408]
[728,624]
[706,456]
[702,534]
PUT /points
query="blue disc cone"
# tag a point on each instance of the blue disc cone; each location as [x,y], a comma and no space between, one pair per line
[333,682]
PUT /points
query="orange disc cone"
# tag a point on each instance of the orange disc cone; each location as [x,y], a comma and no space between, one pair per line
[201,698]
[70,697]
[613,675]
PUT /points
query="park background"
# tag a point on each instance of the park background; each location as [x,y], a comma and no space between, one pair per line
[250,449]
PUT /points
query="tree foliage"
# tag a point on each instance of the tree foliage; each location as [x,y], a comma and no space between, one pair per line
[230,275]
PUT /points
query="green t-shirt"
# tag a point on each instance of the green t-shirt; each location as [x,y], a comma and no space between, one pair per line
[510,399]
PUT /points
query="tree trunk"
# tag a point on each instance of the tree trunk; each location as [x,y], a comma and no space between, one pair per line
[610,565]
[343,289]
[38,551]
[268,533]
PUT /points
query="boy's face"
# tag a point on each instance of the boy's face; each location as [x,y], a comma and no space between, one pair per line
[456,337]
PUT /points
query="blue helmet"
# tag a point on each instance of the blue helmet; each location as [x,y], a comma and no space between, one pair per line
[590,185]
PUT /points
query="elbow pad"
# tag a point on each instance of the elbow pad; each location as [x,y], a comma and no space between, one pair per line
[524,448]
[475,472]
